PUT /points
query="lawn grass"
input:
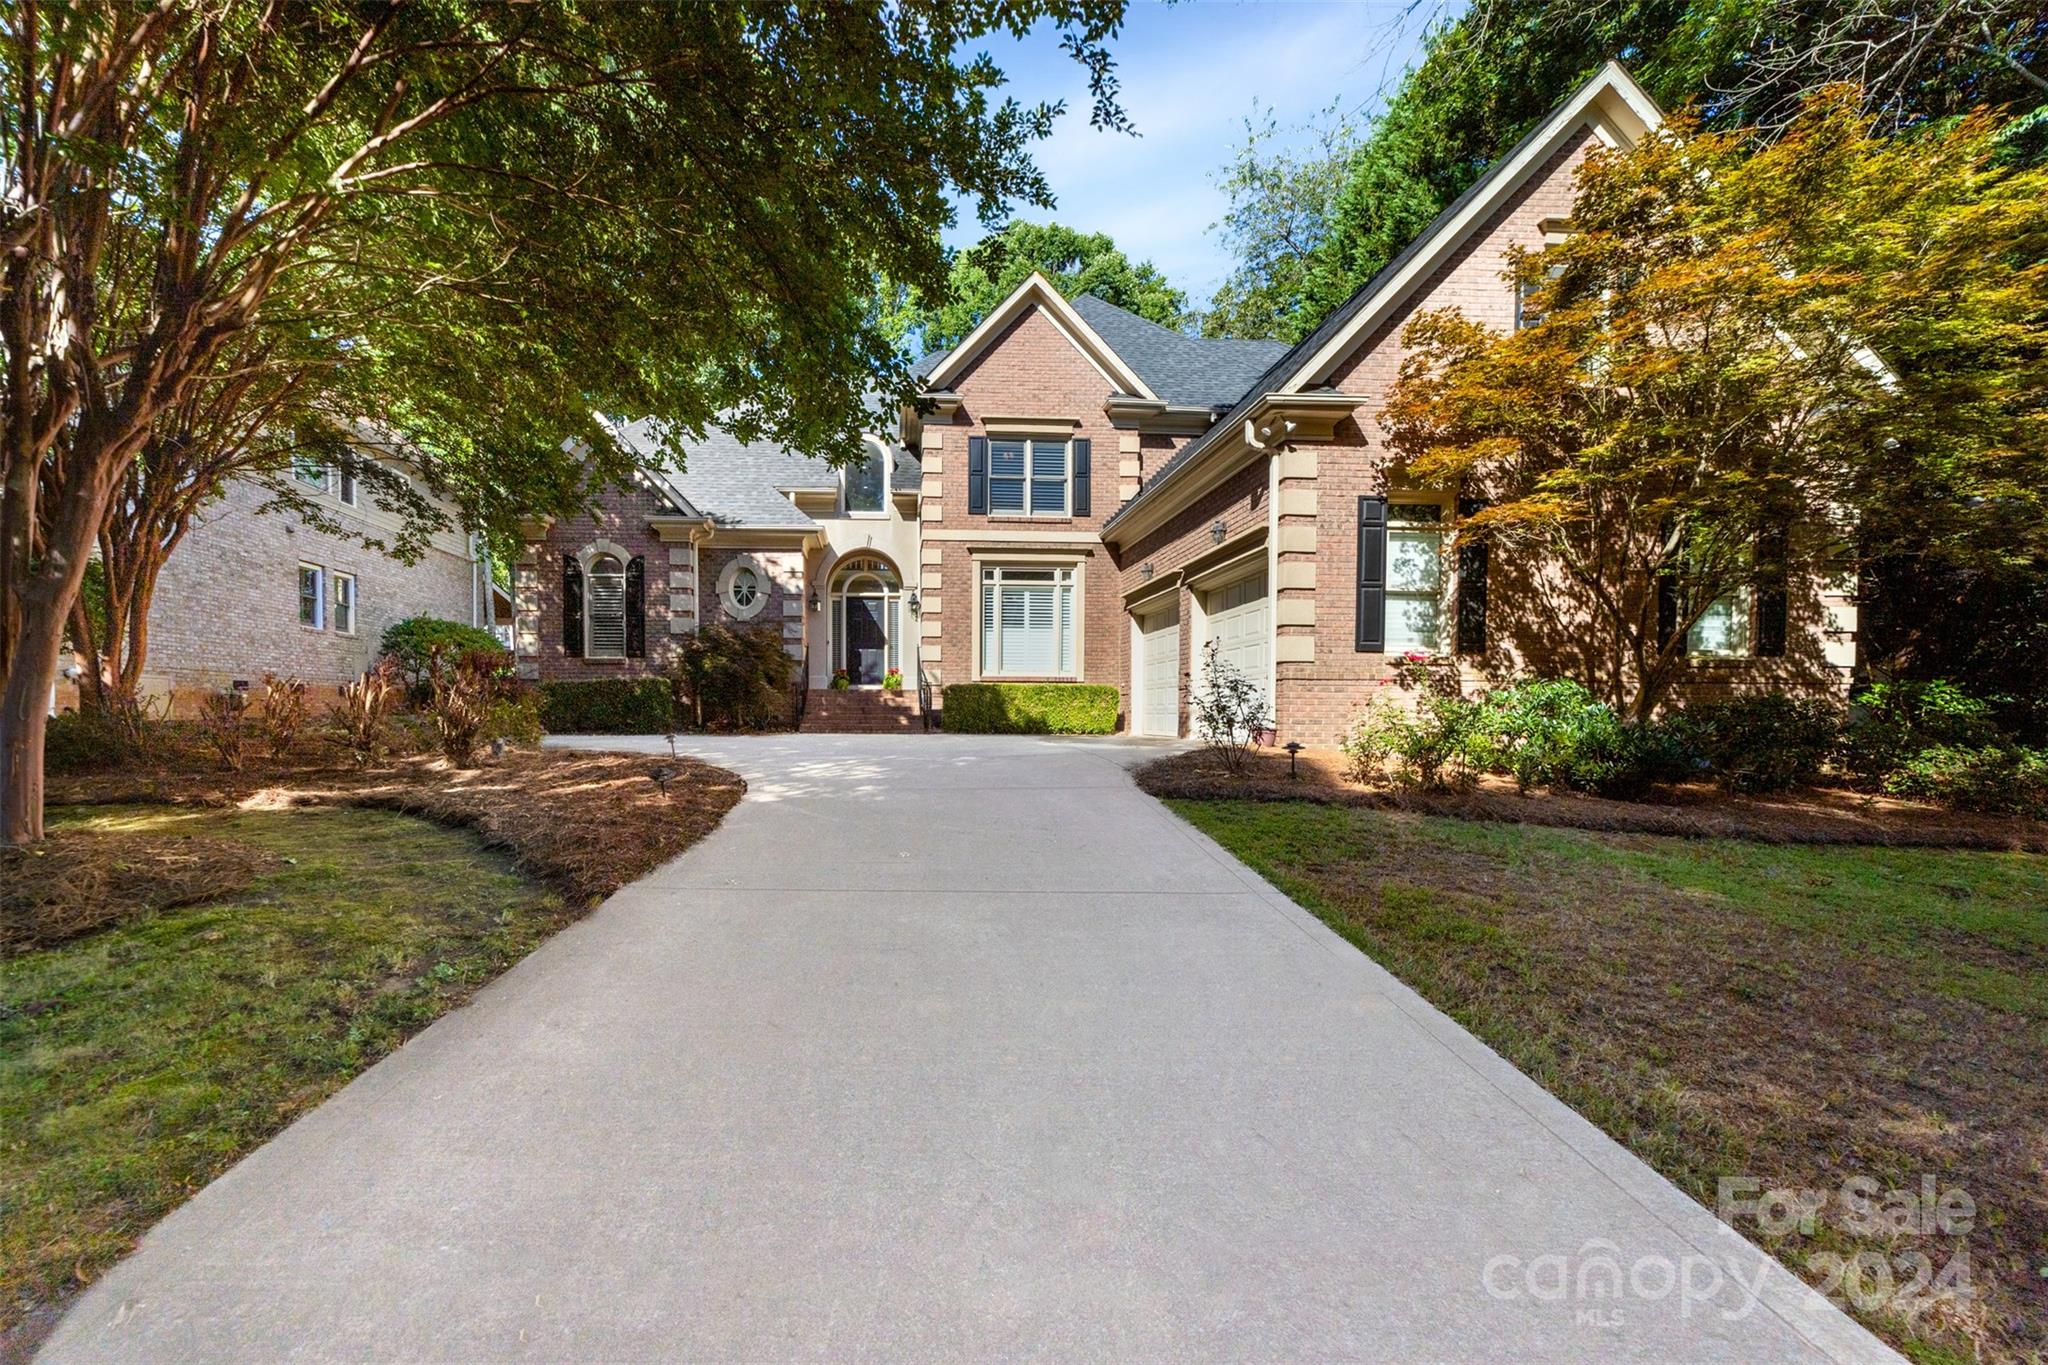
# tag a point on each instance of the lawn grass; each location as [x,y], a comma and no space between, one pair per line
[138,1063]
[1796,1014]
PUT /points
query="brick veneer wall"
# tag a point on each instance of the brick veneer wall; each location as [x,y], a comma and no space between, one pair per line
[227,602]
[621,517]
[1242,503]
[1321,681]
[788,583]
[1031,370]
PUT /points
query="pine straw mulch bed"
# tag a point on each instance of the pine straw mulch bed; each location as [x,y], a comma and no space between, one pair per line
[1812,816]
[586,823]
[76,882]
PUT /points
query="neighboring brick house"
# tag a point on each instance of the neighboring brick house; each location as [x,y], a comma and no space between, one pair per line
[1081,495]
[249,592]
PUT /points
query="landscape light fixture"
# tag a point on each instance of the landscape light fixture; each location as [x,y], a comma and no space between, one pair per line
[1293,747]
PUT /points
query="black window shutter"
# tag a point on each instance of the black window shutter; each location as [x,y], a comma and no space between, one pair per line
[1082,447]
[977,476]
[1771,595]
[572,607]
[1667,607]
[1472,559]
[636,607]
[1372,576]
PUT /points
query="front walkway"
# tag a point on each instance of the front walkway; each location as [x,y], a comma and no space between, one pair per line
[946,1047]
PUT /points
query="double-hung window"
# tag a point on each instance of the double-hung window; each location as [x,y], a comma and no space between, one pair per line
[1415,577]
[1027,621]
[312,596]
[1027,478]
[345,603]
[1722,630]
[348,485]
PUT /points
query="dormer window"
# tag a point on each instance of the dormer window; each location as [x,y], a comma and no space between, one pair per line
[866,485]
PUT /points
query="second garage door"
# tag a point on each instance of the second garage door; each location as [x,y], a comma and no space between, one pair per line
[1241,623]
[1159,673]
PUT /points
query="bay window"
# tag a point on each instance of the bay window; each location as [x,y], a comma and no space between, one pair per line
[1027,621]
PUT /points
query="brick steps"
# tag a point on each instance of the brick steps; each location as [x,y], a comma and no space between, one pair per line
[859,711]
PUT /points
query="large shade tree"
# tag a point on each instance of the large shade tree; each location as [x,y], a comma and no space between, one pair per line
[1492,70]
[534,212]
[1748,365]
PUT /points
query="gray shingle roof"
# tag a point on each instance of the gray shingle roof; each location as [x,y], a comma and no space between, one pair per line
[1197,371]
[740,483]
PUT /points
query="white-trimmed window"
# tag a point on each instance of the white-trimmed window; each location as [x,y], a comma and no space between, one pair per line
[1028,478]
[347,479]
[604,609]
[1415,577]
[1722,630]
[311,471]
[312,596]
[865,486]
[1027,621]
[345,603]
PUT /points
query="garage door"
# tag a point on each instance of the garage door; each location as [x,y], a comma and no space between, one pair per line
[1159,673]
[1241,621]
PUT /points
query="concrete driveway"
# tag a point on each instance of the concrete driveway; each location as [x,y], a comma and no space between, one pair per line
[947,1047]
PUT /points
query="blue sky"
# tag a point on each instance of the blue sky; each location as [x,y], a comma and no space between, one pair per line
[1191,75]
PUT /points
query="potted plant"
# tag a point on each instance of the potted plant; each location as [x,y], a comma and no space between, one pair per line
[893,680]
[841,680]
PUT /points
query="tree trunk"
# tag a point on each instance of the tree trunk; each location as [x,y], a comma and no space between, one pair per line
[24,717]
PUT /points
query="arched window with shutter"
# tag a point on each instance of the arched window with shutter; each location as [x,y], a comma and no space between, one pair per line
[604,609]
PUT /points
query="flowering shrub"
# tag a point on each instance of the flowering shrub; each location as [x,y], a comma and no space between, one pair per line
[1230,709]
[841,680]
[893,680]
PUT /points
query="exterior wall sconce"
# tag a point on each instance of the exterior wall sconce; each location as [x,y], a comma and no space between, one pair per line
[1218,531]
[814,603]
[914,604]
[1144,573]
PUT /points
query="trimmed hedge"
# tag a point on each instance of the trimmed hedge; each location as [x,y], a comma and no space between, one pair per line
[1029,709]
[608,706]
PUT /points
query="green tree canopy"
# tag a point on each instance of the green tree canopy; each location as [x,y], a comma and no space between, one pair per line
[501,220]
[984,274]
[1492,74]
[1754,359]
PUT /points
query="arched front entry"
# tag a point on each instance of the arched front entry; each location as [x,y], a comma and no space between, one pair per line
[867,614]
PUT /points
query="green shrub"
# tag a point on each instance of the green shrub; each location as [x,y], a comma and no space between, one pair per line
[1765,743]
[1625,765]
[1030,709]
[411,643]
[741,679]
[608,706]
[1547,732]
[515,719]
[1891,722]
[2003,779]
[85,741]
[1440,743]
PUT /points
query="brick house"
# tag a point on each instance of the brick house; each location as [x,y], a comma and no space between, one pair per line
[248,592]
[1081,495]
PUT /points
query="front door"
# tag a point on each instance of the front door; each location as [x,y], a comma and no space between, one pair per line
[867,640]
